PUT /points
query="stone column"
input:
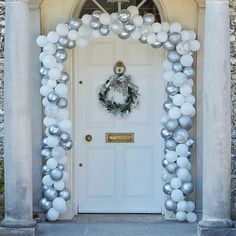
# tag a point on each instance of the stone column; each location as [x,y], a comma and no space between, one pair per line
[18,129]
[216,120]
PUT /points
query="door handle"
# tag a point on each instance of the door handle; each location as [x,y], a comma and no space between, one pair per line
[88,138]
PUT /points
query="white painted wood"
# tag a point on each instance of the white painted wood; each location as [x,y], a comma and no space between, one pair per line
[119,177]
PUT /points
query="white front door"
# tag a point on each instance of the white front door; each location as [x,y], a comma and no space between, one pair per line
[118,177]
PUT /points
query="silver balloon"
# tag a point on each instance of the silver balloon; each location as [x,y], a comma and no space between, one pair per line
[44,143]
[177,67]
[172,89]
[52,97]
[54,130]
[43,71]
[46,153]
[169,46]
[56,174]
[149,18]
[181,135]
[44,188]
[156,44]
[173,56]
[64,78]
[189,72]
[59,47]
[143,39]
[189,154]
[129,27]
[50,194]
[63,41]
[61,55]
[65,194]
[183,48]
[187,187]
[74,23]
[44,204]
[185,122]
[62,102]
[167,189]
[96,14]
[64,136]
[166,133]
[171,167]
[67,145]
[45,170]
[104,30]
[60,167]
[116,27]
[175,38]
[71,44]
[190,143]
[170,205]
[170,144]
[95,24]
[124,15]
[123,35]
[167,105]
[172,125]
[164,162]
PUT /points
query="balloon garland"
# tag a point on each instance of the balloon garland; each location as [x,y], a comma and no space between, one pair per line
[179,107]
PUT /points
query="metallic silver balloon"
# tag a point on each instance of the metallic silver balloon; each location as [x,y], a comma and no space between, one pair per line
[64,136]
[143,39]
[149,18]
[185,122]
[171,168]
[61,55]
[67,145]
[166,133]
[95,24]
[74,23]
[169,46]
[123,35]
[124,15]
[63,41]
[175,38]
[173,56]
[44,188]
[170,205]
[60,167]
[44,204]
[43,71]
[171,89]
[167,189]
[45,170]
[64,78]
[177,67]
[170,144]
[56,174]
[96,14]
[44,143]
[59,47]
[181,135]
[50,194]
[167,105]
[189,72]
[65,194]
[129,27]
[104,30]
[156,44]
[190,143]
[62,102]
[53,97]
[46,153]
[172,125]
[71,44]
[187,187]
[164,162]
[54,130]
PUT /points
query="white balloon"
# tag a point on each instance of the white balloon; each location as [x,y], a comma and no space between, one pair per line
[186,60]
[114,16]
[164,119]
[59,185]
[175,27]
[65,176]
[58,152]
[190,99]
[136,34]
[165,26]
[191,206]
[63,114]
[179,79]
[189,82]
[182,149]
[47,180]
[42,55]
[45,90]
[52,83]
[73,34]
[61,89]
[41,40]
[183,162]
[185,35]
[182,206]
[81,42]
[51,111]
[51,163]
[187,109]
[169,75]
[194,45]
[191,217]
[52,214]
[59,204]
[54,74]
[138,20]
[186,90]
[65,125]
[162,36]
[86,19]
[85,31]
[50,49]
[62,29]
[178,99]
[177,195]
[184,174]
[133,11]
[174,113]
[151,38]
[176,183]
[166,177]
[49,61]
[52,37]
[63,160]
[60,66]
[105,18]
[96,34]
[192,35]
[52,141]
[156,27]
[171,156]
[166,65]
[47,121]
[180,216]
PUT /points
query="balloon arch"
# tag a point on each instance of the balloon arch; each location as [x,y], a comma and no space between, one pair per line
[178,108]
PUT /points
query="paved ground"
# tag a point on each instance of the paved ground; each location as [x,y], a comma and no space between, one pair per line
[117,225]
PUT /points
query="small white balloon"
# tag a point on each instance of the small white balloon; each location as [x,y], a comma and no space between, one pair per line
[96,34]
[165,26]
[133,11]
[189,82]
[191,206]
[162,36]
[50,48]
[49,61]
[136,34]
[194,45]
[52,214]
[63,160]
[41,40]
[42,55]
[166,65]
[191,217]
[182,149]
[73,35]
[52,141]
[175,27]
[62,29]
[179,79]
[59,185]
[151,38]
[168,75]
[86,19]
[52,37]
[82,43]
[65,176]
[47,180]
[166,177]
[190,99]
[105,18]
[178,99]
[65,125]
[171,156]
[186,60]
[51,163]
[174,113]
[183,162]
[187,109]
[61,89]
[192,35]
[58,152]
[63,114]
[60,66]
[45,90]
[180,216]
[185,35]
[52,83]
[84,31]
[175,183]
[59,204]
[47,121]
[184,174]
[177,195]
[156,27]
[182,206]
[138,20]
[186,90]
[54,74]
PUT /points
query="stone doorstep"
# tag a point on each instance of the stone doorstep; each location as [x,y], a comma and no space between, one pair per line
[216,231]
[17,231]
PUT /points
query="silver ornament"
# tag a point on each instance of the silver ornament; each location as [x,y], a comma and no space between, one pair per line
[46,153]
[44,188]
[65,194]
[156,44]
[50,194]
[62,102]
[96,14]
[116,27]
[61,55]
[74,23]
[44,143]
[187,187]
[167,189]
[60,167]
[123,35]
[175,38]
[124,15]
[171,89]
[56,174]
[171,168]
[190,143]
[165,133]
[104,30]
[54,130]
[185,122]
[167,105]
[172,125]
[67,145]
[183,48]
[45,170]
[63,41]
[177,67]
[44,204]
[173,56]
[71,44]
[189,72]
[143,39]
[149,18]
[64,136]
[181,135]
[169,46]
[170,205]
[164,162]
[64,78]
[170,144]
[43,71]
[52,97]
[129,27]
[95,24]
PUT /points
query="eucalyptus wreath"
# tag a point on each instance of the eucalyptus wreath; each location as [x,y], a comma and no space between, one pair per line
[126,87]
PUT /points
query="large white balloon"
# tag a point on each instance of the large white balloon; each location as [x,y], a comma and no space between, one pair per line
[52,214]
[52,141]
[180,216]
[187,109]
[133,11]
[45,90]
[175,27]
[190,99]
[183,162]
[63,160]
[162,36]
[52,37]
[47,121]
[184,174]
[182,206]
[174,113]
[186,90]
[61,89]
[178,99]
[62,29]
[165,26]
[186,60]
[49,61]
[86,19]
[59,185]
[191,206]
[156,27]
[54,73]
[166,65]
[65,125]
[41,40]
[171,156]
[50,49]
[176,183]
[138,20]
[177,195]
[168,75]
[59,204]
[194,45]
[191,217]
[51,163]
[47,180]
[182,149]
[58,152]
[73,34]
[105,18]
